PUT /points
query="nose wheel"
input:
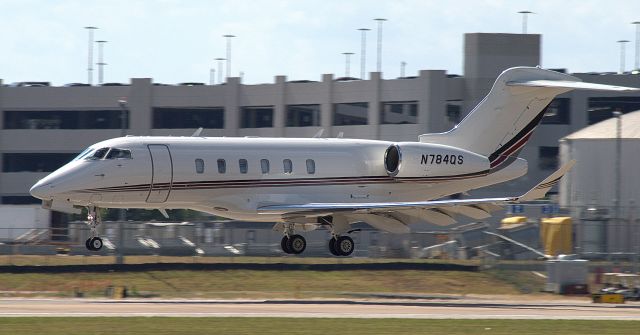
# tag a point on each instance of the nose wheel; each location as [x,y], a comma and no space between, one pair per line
[93,243]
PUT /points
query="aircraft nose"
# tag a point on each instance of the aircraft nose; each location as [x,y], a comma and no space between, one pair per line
[42,191]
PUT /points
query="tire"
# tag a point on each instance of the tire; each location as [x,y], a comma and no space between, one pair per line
[87,244]
[284,244]
[345,245]
[296,244]
[332,247]
[96,244]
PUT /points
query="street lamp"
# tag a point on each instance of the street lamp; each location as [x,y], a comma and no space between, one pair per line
[636,65]
[525,14]
[101,62]
[228,37]
[363,51]
[622,54]
[379,64]
[90,29]
[347,56]
[219,59]
[122,213]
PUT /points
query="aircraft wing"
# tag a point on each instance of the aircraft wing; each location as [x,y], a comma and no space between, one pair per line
[394,216]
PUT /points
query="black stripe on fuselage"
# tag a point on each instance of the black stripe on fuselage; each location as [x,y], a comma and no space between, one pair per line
[224,184]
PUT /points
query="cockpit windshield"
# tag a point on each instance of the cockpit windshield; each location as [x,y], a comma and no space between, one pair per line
[98,154]
[104,153]
[83,154]
[119,154]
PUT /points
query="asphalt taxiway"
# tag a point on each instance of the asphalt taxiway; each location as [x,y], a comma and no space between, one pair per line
[421,309]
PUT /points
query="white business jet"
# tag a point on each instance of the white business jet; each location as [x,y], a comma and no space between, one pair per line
[303,183]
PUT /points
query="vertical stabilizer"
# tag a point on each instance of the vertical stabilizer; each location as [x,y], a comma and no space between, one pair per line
[500,125]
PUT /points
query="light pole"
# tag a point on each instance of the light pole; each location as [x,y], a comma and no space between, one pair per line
[618,116]
[219,59]
[101,62]
[636,65]
[622,54]
[228,37]
[525,14]
[379,63]
[363,51]
[347,56]
[90,29]
[122,213]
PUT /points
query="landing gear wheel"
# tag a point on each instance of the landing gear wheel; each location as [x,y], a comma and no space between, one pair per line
[87,244]
[296,244]
[332,247]
[284,244]
[95,243]
[345,245]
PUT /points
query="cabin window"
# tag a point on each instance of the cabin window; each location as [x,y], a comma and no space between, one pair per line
[119,154]
[264,166]
[222,166]
[311,166]
[288,166]
[199,165]
[243,165]
[98,154]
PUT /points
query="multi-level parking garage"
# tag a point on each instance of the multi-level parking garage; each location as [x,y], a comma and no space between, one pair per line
[44,126]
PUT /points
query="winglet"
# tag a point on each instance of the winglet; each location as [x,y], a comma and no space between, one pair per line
[540,190]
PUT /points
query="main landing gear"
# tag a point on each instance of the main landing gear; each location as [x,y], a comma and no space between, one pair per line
[292,243]
[339,245]
[93,243]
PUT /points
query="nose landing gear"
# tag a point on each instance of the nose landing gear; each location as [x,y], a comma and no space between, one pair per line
[93,243]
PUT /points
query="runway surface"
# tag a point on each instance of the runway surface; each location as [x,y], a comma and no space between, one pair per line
[420,309]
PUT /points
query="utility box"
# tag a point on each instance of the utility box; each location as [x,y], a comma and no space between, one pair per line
[563,273]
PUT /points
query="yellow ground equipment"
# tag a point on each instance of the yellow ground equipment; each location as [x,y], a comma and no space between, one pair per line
[626,285]
[608,298]
[556,235]
[513,220]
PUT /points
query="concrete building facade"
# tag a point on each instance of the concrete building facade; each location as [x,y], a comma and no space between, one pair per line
[42,127]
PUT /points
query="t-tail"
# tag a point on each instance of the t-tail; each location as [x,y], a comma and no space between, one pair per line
[502,123]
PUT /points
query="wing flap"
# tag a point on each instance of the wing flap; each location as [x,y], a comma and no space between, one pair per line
[474,212]
[435,211]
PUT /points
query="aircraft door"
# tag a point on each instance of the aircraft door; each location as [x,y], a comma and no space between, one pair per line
[161,173]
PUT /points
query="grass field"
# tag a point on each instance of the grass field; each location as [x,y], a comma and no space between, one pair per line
[84,260]
[270,284]
[186,326]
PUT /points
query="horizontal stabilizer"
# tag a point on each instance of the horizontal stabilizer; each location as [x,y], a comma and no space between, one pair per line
[571,85]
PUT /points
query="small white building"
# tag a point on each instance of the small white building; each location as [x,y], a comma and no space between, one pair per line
[607,158]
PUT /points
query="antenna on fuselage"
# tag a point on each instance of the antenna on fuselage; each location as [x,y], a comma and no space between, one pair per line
[197,132]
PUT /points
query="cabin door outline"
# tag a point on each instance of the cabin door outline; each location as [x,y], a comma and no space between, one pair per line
[161,173]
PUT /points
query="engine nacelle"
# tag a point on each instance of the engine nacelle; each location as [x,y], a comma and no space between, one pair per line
[419,160]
